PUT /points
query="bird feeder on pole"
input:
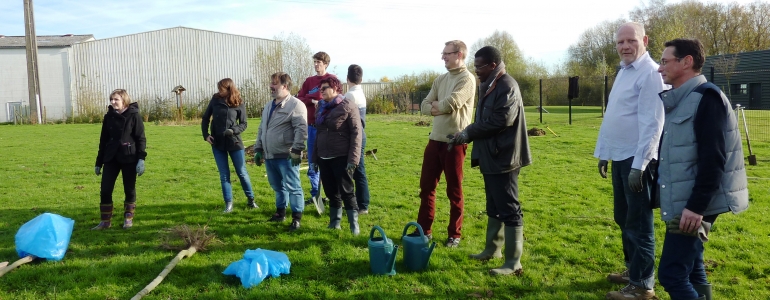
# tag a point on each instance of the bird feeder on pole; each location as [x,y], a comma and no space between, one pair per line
[178,91]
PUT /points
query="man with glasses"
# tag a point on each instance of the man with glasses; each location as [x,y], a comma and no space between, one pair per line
[501,149]
[450,102]
[629,137]
[310,94]
[701,174]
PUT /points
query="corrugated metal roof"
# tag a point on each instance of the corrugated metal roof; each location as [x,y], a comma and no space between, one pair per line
[45,40]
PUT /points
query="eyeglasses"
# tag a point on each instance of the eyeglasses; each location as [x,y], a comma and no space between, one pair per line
[664,62]
[480,67]
[448,53]
[323,88]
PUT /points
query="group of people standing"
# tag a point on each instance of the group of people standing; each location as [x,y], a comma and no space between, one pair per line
[676,149]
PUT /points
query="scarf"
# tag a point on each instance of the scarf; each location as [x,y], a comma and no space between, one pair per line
[325,107]
[487,84]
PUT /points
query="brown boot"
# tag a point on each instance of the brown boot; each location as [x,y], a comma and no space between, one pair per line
[106,212]
[128,216]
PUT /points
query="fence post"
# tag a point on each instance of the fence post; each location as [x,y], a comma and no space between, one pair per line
[604,96]
[541,101]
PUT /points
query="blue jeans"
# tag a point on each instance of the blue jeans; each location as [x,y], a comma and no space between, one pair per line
[362,183]
[635,217]
[284,179]
[311,174]
[239,162]
[681,266]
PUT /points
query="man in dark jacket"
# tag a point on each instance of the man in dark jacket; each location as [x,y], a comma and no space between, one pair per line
[501,148]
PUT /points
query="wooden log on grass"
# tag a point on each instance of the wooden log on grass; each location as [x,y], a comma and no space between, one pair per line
[5,269]
[194,239]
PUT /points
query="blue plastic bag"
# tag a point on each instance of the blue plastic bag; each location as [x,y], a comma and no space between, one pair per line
[46,236]
[256,265]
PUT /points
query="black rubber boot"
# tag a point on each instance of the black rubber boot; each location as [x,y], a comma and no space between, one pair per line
[494,243]
[279,215]
[353,220]
[335,217]
[295,218]
[703,290]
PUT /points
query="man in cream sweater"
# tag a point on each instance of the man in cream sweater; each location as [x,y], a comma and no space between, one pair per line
[450,102]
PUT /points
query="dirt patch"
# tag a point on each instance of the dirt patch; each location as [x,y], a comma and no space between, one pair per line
[250,151]
[422,123]
[535,132]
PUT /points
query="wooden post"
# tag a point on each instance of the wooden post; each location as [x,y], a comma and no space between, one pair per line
[33,80]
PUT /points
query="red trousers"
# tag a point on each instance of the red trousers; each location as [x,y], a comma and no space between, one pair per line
[438,159]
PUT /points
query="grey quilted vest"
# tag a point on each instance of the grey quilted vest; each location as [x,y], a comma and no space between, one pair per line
[679,154]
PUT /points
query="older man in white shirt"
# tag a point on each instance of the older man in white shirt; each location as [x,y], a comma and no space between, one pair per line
[629,137]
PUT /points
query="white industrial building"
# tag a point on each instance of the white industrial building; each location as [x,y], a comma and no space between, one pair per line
[54,61]
[77,73]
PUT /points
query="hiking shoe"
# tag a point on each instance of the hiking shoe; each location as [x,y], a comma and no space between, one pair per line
[631,292]
[228,207]
[251,204]
[363,212]
[294,225]
[452,242]
[619,278]
[310,201]
[277,218]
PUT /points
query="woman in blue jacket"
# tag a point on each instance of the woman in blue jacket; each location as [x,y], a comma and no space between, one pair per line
[225,120]
[121,149]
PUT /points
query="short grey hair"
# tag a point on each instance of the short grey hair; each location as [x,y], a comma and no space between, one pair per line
[638,28]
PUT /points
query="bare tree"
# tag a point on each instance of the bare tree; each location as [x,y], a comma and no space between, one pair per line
[297,58]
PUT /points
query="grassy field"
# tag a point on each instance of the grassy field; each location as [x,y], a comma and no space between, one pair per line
[571,239]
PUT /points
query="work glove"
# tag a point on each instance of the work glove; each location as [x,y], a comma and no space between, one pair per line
[258,158]
[98,171]
[673,227]
[140,167]
[228,132]
[635,180]
[296,159]
[603,168]
[313,167]
[350,168]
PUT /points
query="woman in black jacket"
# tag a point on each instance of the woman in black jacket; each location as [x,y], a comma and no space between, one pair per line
[121,149]
[337,151]
[225,117]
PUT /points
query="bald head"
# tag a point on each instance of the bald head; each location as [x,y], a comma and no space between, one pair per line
[631,42]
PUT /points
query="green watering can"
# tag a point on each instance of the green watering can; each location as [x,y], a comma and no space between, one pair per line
[416,250]
[382,253]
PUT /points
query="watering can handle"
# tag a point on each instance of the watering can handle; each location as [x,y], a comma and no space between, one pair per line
[382,232]
[419,228]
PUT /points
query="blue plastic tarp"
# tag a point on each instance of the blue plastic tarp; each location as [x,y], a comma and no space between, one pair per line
[256,265]
[46,236]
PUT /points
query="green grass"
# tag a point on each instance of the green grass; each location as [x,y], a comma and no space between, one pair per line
[571,239]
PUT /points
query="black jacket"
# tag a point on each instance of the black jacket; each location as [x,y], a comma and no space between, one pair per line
[499,131]
[224,118]
[122,137]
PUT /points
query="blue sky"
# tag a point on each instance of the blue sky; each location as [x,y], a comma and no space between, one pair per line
[387,38]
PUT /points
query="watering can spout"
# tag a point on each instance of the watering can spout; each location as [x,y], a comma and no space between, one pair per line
[392,259]
[426,254]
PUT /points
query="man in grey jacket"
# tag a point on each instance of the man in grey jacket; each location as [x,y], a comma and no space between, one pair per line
[280,142]
[702,173]
[501,149]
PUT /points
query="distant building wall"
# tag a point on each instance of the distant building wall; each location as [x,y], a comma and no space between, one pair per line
[53,64]
[150,64]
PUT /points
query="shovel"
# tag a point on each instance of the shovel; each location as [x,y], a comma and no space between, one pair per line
[372,153]
[752,157]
